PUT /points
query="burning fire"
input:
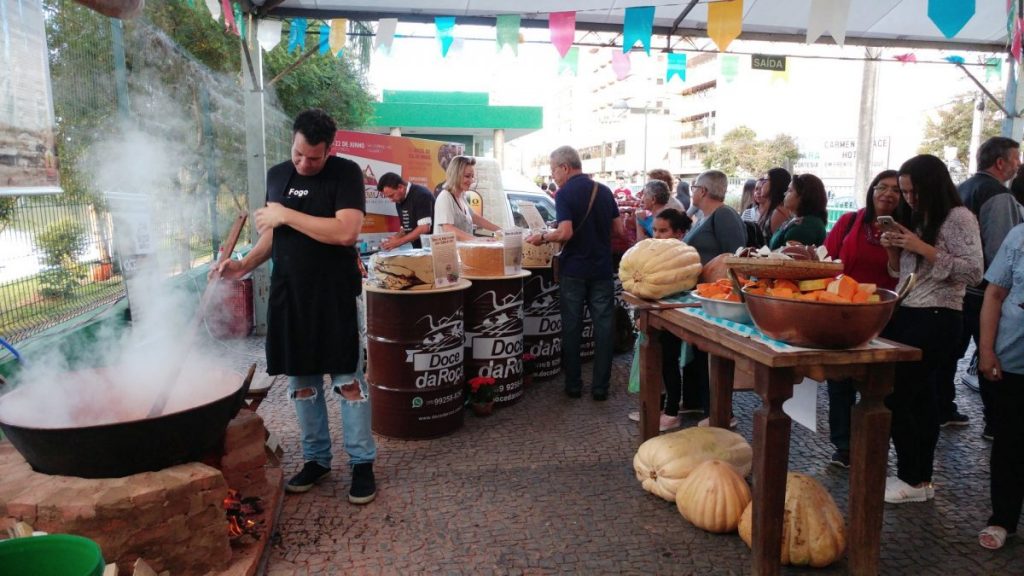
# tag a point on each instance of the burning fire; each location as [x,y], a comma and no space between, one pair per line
[238,510]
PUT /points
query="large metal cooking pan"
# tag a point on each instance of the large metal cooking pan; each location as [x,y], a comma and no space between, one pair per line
[125,448]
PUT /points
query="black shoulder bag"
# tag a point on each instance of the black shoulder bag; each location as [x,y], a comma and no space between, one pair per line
[556,259]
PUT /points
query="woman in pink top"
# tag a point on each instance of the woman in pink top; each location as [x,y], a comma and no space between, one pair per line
[856,240]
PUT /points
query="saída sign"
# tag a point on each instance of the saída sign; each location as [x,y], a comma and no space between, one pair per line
[768,62]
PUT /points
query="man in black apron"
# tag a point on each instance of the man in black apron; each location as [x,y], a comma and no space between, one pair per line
[309,227]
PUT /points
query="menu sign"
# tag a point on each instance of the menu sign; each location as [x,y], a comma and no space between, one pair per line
[445,257]
[28,159]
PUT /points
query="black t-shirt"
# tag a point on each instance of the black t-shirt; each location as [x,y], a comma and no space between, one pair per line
[416,209]
[311,324]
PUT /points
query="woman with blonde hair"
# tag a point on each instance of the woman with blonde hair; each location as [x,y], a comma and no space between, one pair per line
[451,209]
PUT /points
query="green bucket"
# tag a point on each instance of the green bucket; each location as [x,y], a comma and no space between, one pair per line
[52,555]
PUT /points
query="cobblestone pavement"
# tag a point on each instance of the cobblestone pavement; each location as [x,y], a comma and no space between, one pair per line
[547,486]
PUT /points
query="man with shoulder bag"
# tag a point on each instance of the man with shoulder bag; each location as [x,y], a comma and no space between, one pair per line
[587,218]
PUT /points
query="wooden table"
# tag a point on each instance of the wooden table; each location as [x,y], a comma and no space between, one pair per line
[740,361]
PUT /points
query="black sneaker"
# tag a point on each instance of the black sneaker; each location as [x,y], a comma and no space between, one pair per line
[988,433]
[956,419]
[840,459]
[364,487]
[310,474]
[600,396]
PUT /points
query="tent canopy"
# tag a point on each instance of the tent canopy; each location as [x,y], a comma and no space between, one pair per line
[871,22]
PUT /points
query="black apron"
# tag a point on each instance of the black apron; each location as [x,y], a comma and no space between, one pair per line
[312,325]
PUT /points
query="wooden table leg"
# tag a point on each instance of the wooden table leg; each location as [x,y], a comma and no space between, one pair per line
[868,459]
[650,379]
[771,437]
[720,377]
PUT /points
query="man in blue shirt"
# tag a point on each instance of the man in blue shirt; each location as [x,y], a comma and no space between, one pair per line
[587,217]
[1001,362]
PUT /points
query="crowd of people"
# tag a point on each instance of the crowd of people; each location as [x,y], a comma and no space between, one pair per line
[915,222]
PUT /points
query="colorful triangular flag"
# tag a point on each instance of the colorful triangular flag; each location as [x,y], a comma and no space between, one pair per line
[638,27]
[730,66]
[338,35]
[214,7]
[445,32]
[563,30]
[954,59]
[508,31]
[993,67]
[269,34]
[229,17]
[385,33]
[950,16]
[1018,31]
[676,67]
[620,64]
[570,62]
[725,21]
[297,35]
[828,15]
[909,57]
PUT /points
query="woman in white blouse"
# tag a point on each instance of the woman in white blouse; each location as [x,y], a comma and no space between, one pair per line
[451,208]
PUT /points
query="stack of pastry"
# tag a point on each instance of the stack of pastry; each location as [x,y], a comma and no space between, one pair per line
[411,269]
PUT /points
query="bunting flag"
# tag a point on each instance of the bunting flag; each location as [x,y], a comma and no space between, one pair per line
[214,7]
[508,32]
[570,62]
[239,20]
[993,67]
[229,16]
[780,76]
[906,58]
[297,35]
[324,39]
[828,15]
[620,64]
[638,27]
[954,59]
[730,66]
[385,33]
[563,30]
[676,67]
[338,35]
[725,20]
[268,34]
[950,16]
[1018,28]
[445,29]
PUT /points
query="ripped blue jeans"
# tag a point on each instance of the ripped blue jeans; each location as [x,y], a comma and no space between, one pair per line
[311,408]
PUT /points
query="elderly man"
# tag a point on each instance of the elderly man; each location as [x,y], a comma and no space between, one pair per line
[587,218]
[415,205]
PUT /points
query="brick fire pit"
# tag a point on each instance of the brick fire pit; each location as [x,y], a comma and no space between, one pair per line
[174,518]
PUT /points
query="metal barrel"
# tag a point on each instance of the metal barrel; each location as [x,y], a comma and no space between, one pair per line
[494,335]
[415,361]
[542,323]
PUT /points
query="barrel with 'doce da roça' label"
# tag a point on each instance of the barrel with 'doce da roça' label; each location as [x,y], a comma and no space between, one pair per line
[494,334]
[542,323]
[415,360]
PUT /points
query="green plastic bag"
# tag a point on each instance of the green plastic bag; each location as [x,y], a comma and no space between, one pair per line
[634,370]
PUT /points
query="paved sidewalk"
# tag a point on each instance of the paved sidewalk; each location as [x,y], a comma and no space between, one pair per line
[547,486]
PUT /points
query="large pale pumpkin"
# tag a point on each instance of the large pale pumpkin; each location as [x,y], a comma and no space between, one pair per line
[654,268]
[813,530]
[663,462]
[713,497]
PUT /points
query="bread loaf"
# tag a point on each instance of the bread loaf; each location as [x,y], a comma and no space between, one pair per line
[481,258]
[402,270]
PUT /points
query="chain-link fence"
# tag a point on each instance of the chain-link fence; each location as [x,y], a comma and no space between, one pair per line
[57,253]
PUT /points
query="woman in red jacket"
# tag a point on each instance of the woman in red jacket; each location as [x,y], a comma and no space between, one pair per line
[855,240]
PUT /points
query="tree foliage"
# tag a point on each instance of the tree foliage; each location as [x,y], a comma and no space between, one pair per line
[740,153]
[952,127]
[321,81]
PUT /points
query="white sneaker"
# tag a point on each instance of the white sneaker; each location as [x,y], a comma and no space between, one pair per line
[707,422]
[668,422]
[634,415]
[898,492]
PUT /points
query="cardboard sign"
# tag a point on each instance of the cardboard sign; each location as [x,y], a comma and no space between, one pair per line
[446,260]
[533,218]
[512,239]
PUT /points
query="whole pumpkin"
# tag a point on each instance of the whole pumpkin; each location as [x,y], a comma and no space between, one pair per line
[715,269]
[663,462]
[813,530]
[654,268]
[713,497]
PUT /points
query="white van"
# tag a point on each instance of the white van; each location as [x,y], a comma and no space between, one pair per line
[497,195]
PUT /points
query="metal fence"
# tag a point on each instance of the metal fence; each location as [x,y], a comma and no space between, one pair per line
[57,256]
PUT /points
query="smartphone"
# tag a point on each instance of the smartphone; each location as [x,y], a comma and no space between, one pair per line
[887,223]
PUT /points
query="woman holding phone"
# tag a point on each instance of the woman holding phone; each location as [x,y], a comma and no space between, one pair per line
[856,240]
[942,247]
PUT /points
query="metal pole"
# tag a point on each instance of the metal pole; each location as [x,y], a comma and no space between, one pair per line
[120,70]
